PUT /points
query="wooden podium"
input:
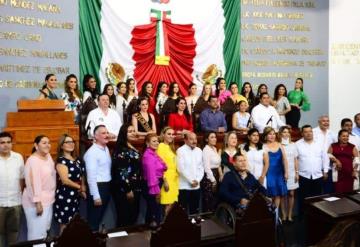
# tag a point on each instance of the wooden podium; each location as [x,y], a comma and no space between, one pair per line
[36,117]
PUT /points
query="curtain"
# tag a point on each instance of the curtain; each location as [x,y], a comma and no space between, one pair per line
[90,39]
[182,46]
[232,41]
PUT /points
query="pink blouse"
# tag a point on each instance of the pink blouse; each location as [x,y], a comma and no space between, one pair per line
[40,180]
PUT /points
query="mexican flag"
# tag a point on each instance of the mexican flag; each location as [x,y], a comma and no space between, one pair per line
[160,40]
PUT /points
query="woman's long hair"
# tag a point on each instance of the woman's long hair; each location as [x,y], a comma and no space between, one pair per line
[259,145]
[67,88]
[276,91]
[217,84]
[162,134]
[158,88]
[94,92]
[60,151]
[122,140]
[251,93]
[186,111]
[111,97]
[171,90]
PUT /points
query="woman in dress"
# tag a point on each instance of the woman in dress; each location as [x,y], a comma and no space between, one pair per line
[213,173]
[153,168]
[230,149]
[109,90]
[166,151]
[170,103]
[146,91]
[192,98]
[221,92]
[256,156]
[202,102]
[90,91]
[345,158]
[47,91]
[72,96]
[161,96]
[248,93]
[261,89]
[143,121]
[71,182]
[241,118]
[181,121]
[298,101]
[121,100]
[277,173]
[280,101]
[126,179]
[287,203]
[39,194]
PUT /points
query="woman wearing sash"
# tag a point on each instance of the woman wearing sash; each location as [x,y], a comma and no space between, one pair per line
[143,121]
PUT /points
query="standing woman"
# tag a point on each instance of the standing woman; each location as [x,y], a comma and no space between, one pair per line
[258,165]
[181,121]
[221,92]
[280,101]
[235,96]
[126,180]
[192,98]
[298,101]
[202,102]
[130,90]
[170,103]
[109,91]
[72,96]
[47,91]
[143,121]
[121,100]
[71,182]
[346,160]
[90,90]
[230,149]
[153,168]
[213,173]
[146,91]
[248,93]
[39,193]
[277,173]
[261,89]
[161,96]
[287,203]
[166,151]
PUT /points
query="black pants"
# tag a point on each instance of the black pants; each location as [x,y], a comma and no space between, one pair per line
[190,200]
[127,210]
[308,188]
[293,117]
[96,213]
[153,208]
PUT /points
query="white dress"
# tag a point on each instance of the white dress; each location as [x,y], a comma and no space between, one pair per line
[291,155]
[255,160]
[120,100]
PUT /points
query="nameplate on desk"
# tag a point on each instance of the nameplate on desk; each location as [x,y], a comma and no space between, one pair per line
[117,234]
[331,199]
[338,208]
[42,245]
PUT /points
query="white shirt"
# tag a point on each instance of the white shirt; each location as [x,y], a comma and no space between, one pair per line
[264,116]
[97,117]
[161,99]
[313,160]
[324,139]
[255,160]
[120,100]
[11,171]
[190,166]
[211,160]
[98,167]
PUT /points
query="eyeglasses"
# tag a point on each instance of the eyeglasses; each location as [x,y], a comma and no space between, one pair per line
[69,142]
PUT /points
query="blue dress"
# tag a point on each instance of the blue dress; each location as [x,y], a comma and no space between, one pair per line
[276,184]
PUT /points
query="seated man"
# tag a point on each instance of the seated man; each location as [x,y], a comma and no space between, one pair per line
[238,186]
[264,115]
[103,115]
[212,119]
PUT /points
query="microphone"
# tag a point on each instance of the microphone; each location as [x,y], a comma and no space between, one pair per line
[248,122]
[88,128]
[270,120]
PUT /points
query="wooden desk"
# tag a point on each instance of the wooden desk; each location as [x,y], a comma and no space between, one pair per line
[322,215]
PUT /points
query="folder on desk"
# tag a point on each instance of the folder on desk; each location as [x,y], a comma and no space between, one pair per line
[355,197]
[338,208]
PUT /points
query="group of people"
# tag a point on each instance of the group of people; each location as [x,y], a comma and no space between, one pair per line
[268,162]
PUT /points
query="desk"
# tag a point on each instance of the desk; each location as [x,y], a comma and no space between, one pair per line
[322,215]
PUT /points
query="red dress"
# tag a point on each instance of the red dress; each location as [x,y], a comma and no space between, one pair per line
[180,122]
[345,155]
